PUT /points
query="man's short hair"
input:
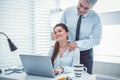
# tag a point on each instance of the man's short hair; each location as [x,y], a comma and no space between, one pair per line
[92,2]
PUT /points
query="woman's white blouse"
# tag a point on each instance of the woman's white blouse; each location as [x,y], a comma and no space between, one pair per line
[68,59]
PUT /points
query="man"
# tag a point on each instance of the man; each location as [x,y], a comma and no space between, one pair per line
[90,30]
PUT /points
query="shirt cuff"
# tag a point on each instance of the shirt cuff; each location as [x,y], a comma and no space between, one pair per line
[79,43]
[67,69]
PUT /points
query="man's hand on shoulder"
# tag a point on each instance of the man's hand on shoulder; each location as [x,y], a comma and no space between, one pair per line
[72,46]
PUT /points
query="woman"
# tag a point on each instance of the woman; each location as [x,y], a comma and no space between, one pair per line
[63,60]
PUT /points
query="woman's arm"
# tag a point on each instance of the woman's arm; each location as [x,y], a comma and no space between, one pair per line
[76,60]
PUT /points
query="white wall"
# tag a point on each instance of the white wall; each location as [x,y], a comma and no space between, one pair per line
[107,69]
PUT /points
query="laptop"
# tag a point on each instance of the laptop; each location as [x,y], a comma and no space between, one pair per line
[37,65]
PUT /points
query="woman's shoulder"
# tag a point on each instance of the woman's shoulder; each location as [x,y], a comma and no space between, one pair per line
[77,50]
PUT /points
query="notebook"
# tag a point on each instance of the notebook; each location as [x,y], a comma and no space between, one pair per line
[37,65]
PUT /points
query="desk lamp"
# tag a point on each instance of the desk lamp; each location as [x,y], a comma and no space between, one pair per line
[11,45]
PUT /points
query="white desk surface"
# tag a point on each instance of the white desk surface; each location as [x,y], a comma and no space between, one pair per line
[24,76]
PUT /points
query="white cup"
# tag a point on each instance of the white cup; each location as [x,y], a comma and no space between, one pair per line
[79,69]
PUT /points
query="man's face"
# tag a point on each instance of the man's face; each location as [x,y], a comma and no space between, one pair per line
[83,7]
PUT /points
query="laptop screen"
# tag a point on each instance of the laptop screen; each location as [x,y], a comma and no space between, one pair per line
[37,65]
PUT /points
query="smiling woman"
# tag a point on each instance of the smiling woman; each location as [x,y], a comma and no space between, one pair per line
[60,31]
[63,60]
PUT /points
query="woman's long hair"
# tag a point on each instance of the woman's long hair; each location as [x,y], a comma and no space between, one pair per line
[56,45]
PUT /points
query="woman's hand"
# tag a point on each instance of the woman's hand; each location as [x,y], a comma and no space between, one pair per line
[58,70]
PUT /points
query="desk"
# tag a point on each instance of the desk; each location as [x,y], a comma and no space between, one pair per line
[24,76]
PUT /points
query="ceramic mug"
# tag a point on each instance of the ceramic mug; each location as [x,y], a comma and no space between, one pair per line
[79,69]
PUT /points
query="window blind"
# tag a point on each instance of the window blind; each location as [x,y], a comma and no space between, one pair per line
[43,25]
[27,23]
[16,20]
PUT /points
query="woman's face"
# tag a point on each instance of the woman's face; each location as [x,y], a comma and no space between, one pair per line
[60,34]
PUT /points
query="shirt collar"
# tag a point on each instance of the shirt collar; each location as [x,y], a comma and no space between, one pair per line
[83,15]
[66,52]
